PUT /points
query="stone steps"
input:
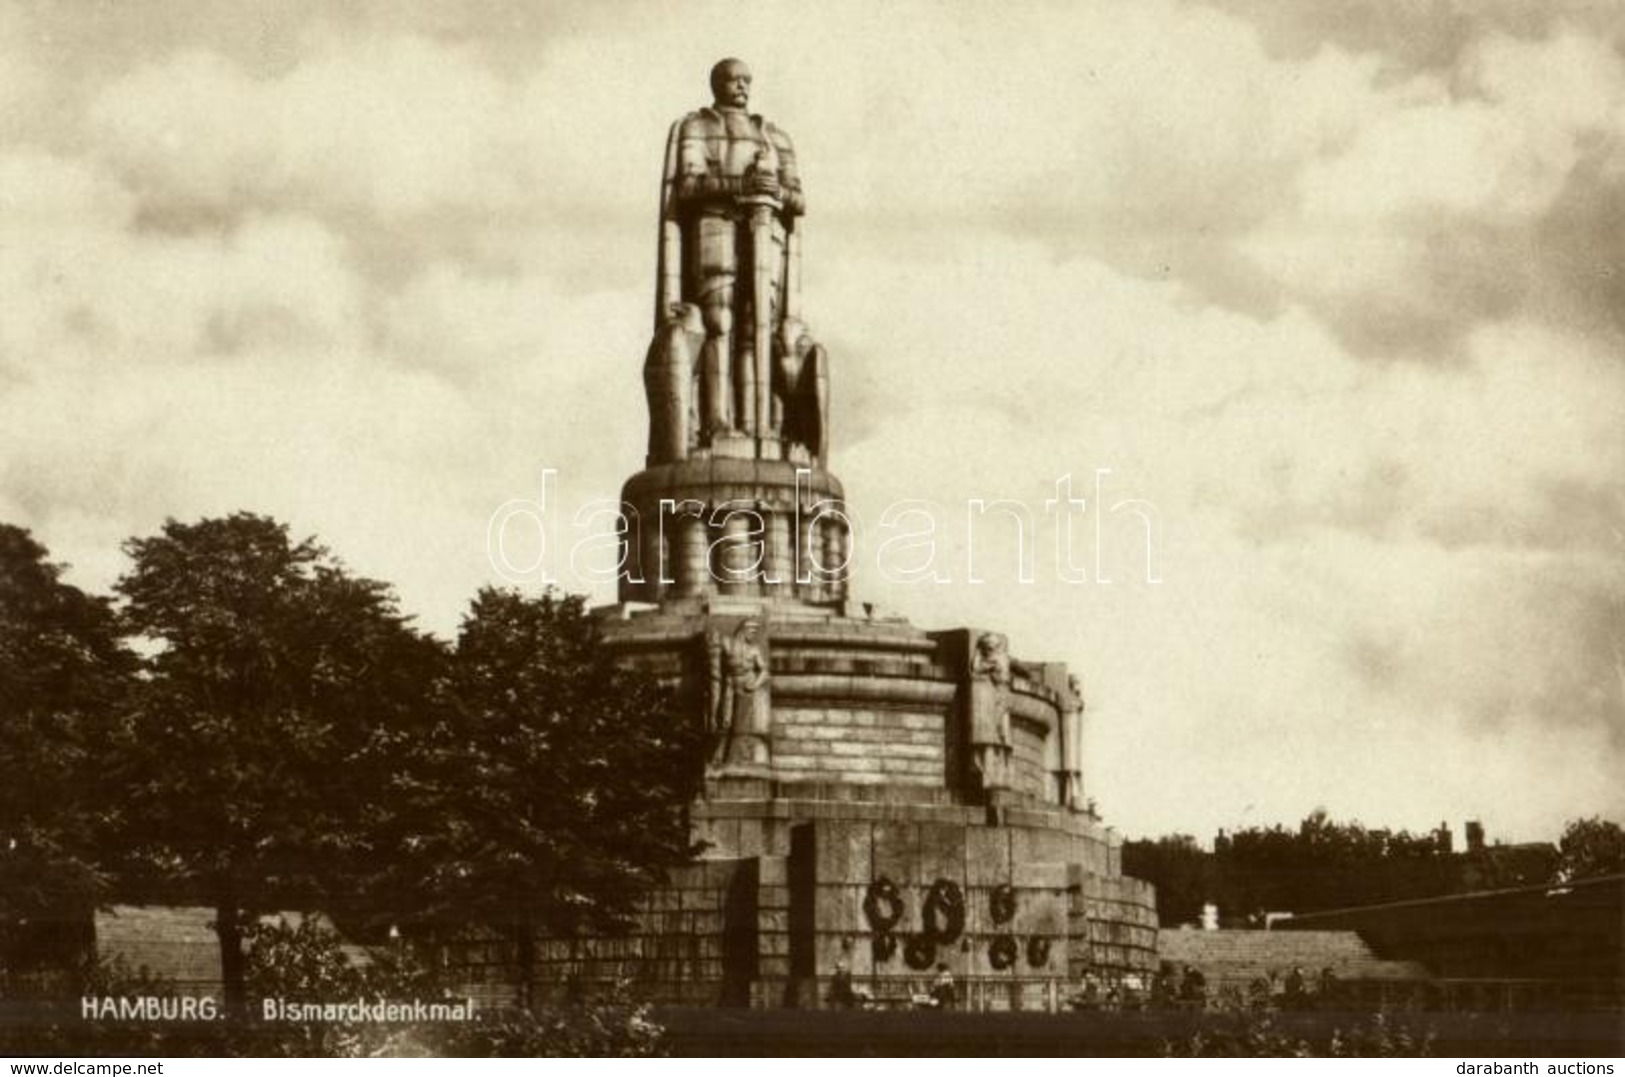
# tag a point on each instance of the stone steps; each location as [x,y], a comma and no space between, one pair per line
[1236,958]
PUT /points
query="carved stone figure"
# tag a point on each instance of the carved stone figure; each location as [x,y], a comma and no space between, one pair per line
[800,406]
[740,712]
[1071,731]
[668,379]
[729,247]
[990,737]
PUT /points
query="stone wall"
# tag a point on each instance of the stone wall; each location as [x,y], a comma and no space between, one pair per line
[695,942]
[860,746]
[862,702]
[770,929]
[1066,917]
[1030,761]
[1115,918]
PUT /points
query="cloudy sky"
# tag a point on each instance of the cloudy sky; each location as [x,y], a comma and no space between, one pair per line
[1338,289]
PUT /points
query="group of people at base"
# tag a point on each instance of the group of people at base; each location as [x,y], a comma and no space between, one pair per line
[1294,991]
[1167,989]
[844,995]
[1187,989]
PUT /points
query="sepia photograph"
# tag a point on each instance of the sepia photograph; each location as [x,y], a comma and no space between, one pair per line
[938,528]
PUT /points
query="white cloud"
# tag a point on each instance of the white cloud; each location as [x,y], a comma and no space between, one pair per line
[391,130]
[1425,220]
[88,287]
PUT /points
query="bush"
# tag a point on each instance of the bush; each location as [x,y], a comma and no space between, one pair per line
[1248,1029]
[307,963]
[618,1027]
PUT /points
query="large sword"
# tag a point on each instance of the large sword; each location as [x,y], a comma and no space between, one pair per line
[764,269]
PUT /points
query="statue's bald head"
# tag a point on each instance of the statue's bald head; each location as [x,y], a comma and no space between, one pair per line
[730,83]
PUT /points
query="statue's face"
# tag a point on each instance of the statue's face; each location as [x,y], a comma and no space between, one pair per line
[730,84]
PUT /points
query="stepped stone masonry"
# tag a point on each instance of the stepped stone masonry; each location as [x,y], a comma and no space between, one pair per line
[1236,959]
[879,797]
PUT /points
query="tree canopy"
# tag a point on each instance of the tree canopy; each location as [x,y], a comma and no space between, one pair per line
[1591,847]
[272,672]
[63,677]
[1319,864]
[555,787]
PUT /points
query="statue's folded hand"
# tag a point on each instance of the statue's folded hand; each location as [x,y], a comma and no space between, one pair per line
[767,183]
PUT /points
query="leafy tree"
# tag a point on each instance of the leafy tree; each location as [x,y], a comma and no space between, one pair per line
[554,791]
[1591,847]
[1326,864]
[1184,874]
[63,676]
[1321,864]
[273,672]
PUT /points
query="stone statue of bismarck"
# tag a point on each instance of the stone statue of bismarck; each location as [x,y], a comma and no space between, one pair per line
[731,362]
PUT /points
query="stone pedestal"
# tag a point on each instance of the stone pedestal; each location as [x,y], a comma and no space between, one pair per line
[867,838]
[740,527]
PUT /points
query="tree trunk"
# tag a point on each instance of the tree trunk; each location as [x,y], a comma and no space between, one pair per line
[525,956]
[228,926]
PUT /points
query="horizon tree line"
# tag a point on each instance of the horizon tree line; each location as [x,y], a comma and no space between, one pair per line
[1325,864]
